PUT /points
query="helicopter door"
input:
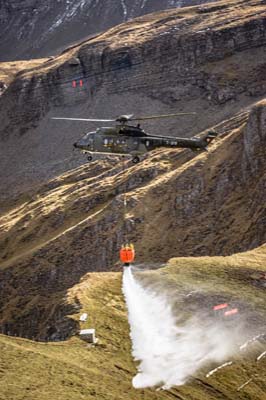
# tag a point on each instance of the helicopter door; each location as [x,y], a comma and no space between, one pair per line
[91,142]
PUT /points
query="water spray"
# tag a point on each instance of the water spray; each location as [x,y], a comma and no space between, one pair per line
[169,352]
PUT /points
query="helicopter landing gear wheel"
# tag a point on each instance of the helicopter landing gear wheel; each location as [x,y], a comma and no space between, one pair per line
[89,158]
[135,160]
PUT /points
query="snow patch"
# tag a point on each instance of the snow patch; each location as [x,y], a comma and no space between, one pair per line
[210,373]
[143,3]
[72,8]
[123,4]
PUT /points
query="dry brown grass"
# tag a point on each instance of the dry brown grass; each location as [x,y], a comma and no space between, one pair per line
[74,370]
[9,70]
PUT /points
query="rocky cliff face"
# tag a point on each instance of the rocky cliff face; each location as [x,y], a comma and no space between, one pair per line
[210,60]
[178,205]
[30,29]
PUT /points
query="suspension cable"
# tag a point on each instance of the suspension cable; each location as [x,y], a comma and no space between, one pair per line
[125,204]
[127,252]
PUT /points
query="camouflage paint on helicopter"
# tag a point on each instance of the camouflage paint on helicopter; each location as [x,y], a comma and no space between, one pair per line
[128,139]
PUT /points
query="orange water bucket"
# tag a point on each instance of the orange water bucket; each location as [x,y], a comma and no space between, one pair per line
[127,254]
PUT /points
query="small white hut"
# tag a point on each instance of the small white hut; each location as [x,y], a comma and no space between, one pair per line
[83,317]
[88,335]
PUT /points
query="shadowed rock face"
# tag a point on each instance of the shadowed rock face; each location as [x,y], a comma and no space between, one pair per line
[178,205]
[31,29]
[210,60]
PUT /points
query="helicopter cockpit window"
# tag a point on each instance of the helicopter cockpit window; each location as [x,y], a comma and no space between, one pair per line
[87,135]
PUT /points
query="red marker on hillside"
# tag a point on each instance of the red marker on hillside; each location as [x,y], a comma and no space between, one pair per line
[231,312]
[220,306]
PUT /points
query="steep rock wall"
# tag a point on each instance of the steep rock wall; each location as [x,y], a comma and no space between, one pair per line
[178,205]
[30,29]
[210,60]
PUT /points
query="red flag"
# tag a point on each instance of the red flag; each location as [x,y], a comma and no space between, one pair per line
[81,83]
[231,312]
[74,84]
[220,306]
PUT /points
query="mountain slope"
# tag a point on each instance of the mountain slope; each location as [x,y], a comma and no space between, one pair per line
[178,205]
[30,29]
[177,60]
[60,232]
[74,370]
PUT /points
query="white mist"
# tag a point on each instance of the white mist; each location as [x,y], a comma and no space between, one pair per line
[168,354]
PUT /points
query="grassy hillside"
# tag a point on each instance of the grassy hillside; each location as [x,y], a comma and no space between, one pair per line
[76,370]
[9,70]
[179,204]
[208,59]
[60,232]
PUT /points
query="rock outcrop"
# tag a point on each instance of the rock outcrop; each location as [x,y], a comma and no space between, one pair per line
[209,59]
[178,205]
[30,29]
[56,226]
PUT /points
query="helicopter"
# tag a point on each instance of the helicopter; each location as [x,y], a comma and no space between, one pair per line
[124,139]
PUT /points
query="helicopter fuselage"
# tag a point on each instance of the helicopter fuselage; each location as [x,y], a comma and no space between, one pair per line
[127,139]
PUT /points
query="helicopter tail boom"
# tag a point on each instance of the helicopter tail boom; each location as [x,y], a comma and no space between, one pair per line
[207,139]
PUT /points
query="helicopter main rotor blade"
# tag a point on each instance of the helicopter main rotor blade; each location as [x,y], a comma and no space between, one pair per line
[86,119]
[162,116]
